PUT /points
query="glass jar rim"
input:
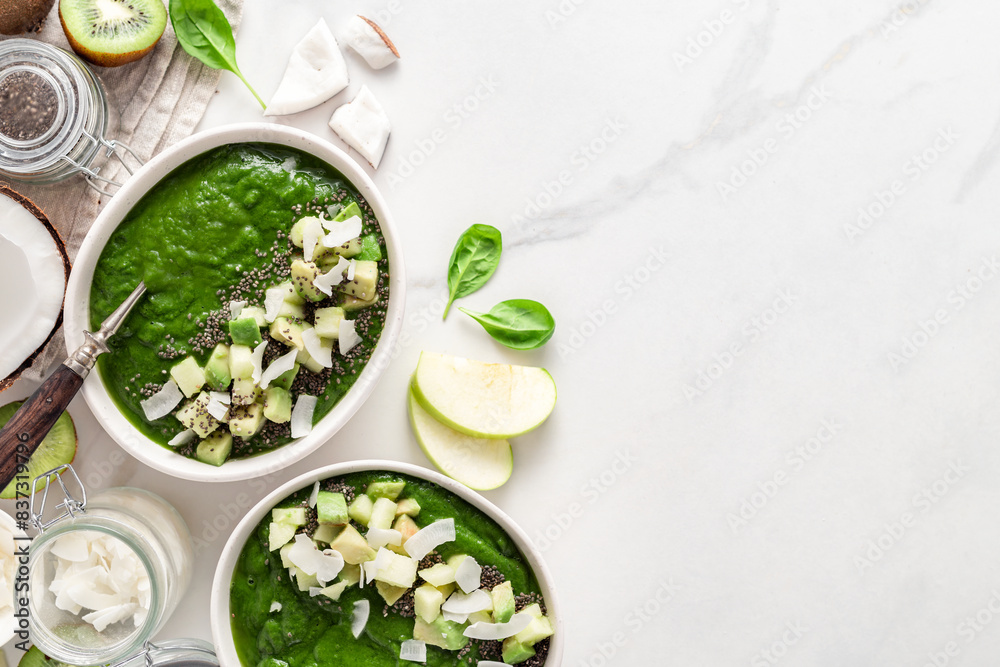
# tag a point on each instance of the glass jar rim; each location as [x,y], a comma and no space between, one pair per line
[168,652]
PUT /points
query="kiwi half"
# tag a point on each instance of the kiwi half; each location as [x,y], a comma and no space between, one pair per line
[58,448]
[19,16]
[110,33]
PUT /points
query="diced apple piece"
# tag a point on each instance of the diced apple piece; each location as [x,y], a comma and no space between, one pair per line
[277,404]
[351,304]
[438,575]
[407,528]
[246,421]
[279,535]
[383,512]
[285,560]
[365,282]
[288,331]
[390,490]
[295,516]
[361,509]
[427,601]
[390,593]
[326,533]
[398,571]
[503,602]
[539,628]
[188,375]
[326,321]
[351,574]
[408,506]
[335,591]
[444,634]
[303,275]
[331,508]
[289,294]
[195,416]
[305,581]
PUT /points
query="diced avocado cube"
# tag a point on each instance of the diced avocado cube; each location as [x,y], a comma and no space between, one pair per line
[215,449]
[326,321]
[303,275]
[245,331]
[326,533]
[441,633]
[351,574]
[361,509]
[278,536]
[285,380]
[288,331]
[245,392]
[390,593]
[294,516]
[331,508]
[390,490]
[427,601]
[364,283]
[257,313]
[188,375]
[407,528]
[277,404]
[335,591]
[330,257]
[514,651]
[539,628]
[503,602]
[479,617]
[370,249]
[305,581]
[195,416]
[289,294]
[398,571]
[408,506]
[349,211]
[240,362]
[455,561]
[291,310]
[383,512]
[352,304]
[438,575]
[533,610]
[297,232]
[447,589]
[287,547]
[352,546]
[246,420]
[217,368]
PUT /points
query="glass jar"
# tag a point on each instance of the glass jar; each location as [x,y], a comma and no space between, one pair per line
[54,115]
[124,535]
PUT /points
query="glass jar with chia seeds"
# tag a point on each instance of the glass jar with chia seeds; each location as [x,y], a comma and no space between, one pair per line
[54,117]
[105,574]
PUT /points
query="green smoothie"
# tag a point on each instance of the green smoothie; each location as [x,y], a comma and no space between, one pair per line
[316,631]
[216,230]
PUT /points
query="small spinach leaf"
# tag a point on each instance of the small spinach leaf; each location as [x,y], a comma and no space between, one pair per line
[520,324]
[473,261]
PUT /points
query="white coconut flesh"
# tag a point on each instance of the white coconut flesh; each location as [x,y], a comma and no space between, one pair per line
[315,73]
[363,125]
[32,269]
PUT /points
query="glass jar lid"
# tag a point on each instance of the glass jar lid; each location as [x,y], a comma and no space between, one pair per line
[45,111]
[173,653]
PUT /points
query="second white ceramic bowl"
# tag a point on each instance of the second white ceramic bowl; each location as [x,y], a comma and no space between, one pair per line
[77,316]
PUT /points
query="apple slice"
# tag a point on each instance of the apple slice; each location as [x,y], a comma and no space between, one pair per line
[481,399]
[479,463]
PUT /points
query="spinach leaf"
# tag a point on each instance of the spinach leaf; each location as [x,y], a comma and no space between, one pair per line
[520,324]
[473,261]
[204,32]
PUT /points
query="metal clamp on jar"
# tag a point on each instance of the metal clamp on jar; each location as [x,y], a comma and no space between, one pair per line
[104,574]
[54,116]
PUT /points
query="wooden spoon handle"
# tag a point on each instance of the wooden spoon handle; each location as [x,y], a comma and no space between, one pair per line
[32,422]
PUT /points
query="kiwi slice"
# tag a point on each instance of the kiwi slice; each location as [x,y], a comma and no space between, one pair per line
[58,447]
[110,33]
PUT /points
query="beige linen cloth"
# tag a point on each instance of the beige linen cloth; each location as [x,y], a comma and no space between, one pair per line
[160,100]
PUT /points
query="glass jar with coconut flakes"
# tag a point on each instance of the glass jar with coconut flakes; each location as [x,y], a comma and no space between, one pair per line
[54,116]
[106,574]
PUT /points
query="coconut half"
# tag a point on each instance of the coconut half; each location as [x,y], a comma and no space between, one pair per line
[34,267]
[370,41]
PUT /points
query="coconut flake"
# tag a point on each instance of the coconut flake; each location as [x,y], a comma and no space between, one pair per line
[347,336]
[304,554]
[453,617]
[371,568]
[413,650]
[325,282]
[332,210]
[278,367]
[182,438]
[257,359]
[275,606]
[216,407]
[314,494]
[273,298]
[363,125]
[460,603]
[429,538]
[370,42]
[359,619]
[302,415]
[71,547]
[316,72]
[221,397]
[330,564]
[467,574]
[235,308]
[289,163]
[311,234]
[497,631]
[380,537]
[340,232]
[315,590]
[314,346]
[163,402]
[351,269]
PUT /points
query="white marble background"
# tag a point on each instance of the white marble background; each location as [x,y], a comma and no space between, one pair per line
[767,233]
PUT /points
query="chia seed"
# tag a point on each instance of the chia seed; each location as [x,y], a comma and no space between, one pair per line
[27,106]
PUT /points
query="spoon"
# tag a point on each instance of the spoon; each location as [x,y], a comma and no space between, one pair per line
[35,418]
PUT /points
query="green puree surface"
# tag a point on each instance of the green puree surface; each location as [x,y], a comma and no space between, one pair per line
[191,239]
[309,632]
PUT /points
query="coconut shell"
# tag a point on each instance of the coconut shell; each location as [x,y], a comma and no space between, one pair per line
[21,16]
[37,212]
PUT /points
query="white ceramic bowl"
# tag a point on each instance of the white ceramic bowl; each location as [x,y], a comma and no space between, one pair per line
[222,632]
[77,316]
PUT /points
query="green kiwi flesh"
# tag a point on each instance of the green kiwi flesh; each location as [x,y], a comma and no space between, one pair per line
[20,16]
[110,33]
[58,448]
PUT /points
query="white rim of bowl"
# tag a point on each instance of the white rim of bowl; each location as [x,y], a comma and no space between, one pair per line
[222,632]
[77,314]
